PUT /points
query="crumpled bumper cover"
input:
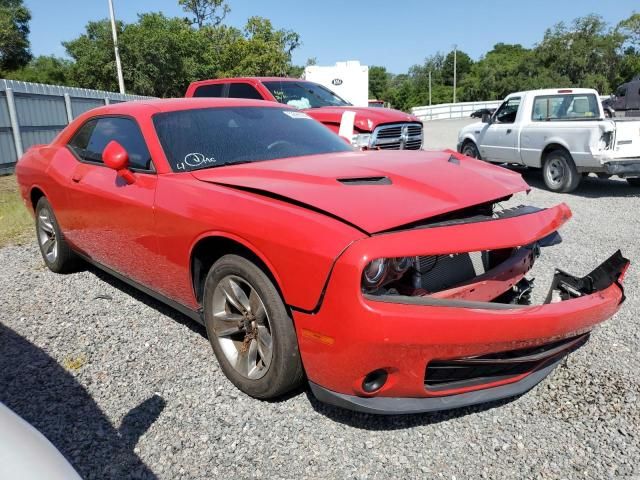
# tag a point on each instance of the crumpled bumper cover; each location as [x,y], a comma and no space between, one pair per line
[623,168]
[351,335]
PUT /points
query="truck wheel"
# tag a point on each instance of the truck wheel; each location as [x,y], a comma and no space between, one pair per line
[634,182]
[250,329]
[470,149]
[559,172]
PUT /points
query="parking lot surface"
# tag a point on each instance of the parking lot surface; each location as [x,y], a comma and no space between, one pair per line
[128,388]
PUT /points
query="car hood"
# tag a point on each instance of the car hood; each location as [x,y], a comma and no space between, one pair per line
[473,127]
[375,190]
[366,118]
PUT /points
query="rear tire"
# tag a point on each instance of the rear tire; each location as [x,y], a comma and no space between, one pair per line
[470,149]
[559,172]
[56,252]
[634,182]
[250,329]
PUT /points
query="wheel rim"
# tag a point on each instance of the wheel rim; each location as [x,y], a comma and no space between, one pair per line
[555,172]
[47,235]
[469,151]
[241,326]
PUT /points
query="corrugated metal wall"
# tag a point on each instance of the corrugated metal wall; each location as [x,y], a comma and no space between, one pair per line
[41,112]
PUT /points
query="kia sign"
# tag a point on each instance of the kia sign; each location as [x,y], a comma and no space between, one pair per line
[336,82]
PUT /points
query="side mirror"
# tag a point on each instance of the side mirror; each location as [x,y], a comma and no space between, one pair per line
[116,157]
[486,117]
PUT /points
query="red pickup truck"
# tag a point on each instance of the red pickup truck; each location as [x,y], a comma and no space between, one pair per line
[371,128]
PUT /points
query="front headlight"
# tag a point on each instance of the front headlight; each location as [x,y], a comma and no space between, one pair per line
[374,273]
[361,140]
[384,270]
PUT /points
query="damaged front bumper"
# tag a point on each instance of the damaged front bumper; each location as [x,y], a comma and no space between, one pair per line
[496,349]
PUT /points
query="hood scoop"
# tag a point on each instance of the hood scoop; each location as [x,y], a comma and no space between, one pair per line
[365,181]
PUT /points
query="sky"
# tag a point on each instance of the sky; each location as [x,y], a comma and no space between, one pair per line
[376,32]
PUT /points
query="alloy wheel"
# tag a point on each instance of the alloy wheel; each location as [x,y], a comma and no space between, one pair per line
[47,235]
[241,326]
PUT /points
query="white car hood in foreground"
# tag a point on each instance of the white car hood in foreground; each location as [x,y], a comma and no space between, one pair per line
[26,454]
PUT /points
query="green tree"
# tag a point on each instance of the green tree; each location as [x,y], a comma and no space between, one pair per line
[505,69]
[463,66]
[582,52]
[205,11]
[45,69]
[259,49]
[94,64]
[378,82]
[161,56]
[14,35]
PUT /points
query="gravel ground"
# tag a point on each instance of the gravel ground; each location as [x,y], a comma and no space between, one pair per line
[127,388]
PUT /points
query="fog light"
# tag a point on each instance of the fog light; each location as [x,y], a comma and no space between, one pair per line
[374,380]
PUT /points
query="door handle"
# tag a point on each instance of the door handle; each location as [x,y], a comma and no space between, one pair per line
[508,130]
[77,177]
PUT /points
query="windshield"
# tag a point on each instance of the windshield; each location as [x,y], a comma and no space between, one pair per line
[304,94]
[565,107]
[214,137]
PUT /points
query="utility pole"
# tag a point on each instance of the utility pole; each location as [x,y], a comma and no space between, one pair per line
[115,47]
[429,87]
[455,67]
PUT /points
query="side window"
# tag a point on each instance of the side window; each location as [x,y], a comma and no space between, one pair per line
[508,111]
[90,145]
[80,141]
[243,90]
[213,90]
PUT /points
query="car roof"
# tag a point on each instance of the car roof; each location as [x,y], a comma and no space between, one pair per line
[553,91]
[151,106]
[248,79]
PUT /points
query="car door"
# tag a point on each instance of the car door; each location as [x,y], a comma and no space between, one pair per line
[111,220]
[499,139]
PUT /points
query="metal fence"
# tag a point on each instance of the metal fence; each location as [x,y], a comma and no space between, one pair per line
[33,113]
[452,110]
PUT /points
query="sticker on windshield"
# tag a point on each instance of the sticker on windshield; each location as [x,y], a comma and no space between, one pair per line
[294,114]
[194,160]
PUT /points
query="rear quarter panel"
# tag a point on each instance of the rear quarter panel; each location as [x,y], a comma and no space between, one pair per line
[39,169]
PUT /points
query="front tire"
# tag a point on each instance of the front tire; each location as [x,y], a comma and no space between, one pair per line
[560,173]
[250,329]
[56,252]
[470,149]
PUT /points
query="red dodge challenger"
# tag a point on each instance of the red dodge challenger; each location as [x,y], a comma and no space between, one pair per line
[392,281]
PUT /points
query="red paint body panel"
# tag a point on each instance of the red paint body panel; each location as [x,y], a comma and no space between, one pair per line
[424,184]
[404,338]
[298,245]
[314,235]
[367,118]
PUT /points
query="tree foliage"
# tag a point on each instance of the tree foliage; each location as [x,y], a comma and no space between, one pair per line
[585,53]
[45,69]
[161,55]
[204,12]
[14,35]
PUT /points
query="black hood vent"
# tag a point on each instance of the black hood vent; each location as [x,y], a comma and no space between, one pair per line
[365,181]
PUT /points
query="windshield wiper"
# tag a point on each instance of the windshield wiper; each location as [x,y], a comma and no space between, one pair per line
[224,164]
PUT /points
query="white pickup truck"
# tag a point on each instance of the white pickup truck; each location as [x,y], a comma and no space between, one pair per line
[564,132]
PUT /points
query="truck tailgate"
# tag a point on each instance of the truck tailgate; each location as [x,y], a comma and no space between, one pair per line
[627,139]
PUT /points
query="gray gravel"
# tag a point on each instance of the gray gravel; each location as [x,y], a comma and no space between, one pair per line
[127,388]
